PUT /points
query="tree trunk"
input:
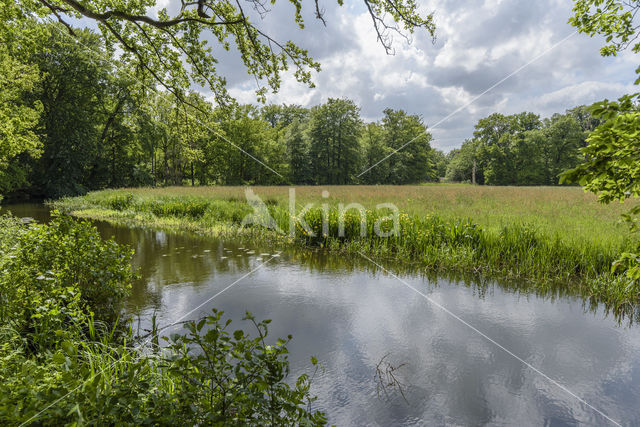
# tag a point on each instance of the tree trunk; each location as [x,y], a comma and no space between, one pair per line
[473,173]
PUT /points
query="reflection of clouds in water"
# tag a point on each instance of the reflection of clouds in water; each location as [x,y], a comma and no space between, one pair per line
[469,378]
[161,238]
[350,319]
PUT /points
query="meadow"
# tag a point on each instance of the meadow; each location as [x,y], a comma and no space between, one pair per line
[544,236]
[566,211]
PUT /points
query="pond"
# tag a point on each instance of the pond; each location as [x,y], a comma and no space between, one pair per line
[464,354]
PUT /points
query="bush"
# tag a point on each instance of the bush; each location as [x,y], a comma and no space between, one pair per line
[65,257]
[222,376]
[60,366]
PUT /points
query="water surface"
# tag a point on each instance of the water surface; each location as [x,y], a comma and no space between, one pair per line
[350,315]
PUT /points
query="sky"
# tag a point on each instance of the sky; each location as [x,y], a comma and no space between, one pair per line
[505,56]
[479,43]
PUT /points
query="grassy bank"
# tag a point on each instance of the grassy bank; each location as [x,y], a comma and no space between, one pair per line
[548,237]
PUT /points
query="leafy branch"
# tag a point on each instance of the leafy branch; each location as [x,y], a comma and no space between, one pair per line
[173,51]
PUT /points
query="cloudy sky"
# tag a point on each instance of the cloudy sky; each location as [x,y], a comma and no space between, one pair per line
[479,43]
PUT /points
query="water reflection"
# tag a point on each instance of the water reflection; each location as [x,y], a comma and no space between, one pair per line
[349,314]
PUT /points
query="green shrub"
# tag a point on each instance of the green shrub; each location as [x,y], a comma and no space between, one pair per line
[64,361]
[221,376]
[207,376]
[180,208]
[66,254]
[120,202]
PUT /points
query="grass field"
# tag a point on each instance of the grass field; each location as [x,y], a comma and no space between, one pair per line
[567,211]
[543,235]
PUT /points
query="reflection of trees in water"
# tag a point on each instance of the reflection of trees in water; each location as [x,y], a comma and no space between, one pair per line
[167,258]
[321,261]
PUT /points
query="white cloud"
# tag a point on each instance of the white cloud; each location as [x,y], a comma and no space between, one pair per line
[479,43]
[582,93]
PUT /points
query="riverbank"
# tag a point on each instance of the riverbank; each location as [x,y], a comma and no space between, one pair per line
[545,239]
[70,358]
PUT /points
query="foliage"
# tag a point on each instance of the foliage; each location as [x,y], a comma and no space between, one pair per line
[334,133]
[177,49]
[19,112]
[521,149]
[440,161]
[64,358]
[407,137]
[18,119]
[375,150]
[64,261]
[460,166]
[102,125]
[298,153]
[612,19]
[78,117]
[611,167]
[281,116]
[497,135]
[247,136]
[231,376]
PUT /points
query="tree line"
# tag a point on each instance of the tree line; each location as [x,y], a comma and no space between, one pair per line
[94,124]
[522,149]
[77,118]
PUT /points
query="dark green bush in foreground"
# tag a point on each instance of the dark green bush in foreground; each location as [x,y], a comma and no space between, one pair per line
[64,358]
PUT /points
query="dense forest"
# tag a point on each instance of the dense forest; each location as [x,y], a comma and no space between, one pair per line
[93,123]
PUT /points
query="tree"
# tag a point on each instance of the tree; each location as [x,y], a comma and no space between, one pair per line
[298,154]
[289,122]
[412,161]
[497,135]
[375,150]
[562,144]
[18,120]
[174,48]
[529,158]
[72,91]
[585,119]
[334,132]
[283,115]
[19,109]
[440,160]
[460,166]
[612,165]
[611,19]
[246,134]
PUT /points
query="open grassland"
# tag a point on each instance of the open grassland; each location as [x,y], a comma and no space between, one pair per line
[544,236]
[565,211]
